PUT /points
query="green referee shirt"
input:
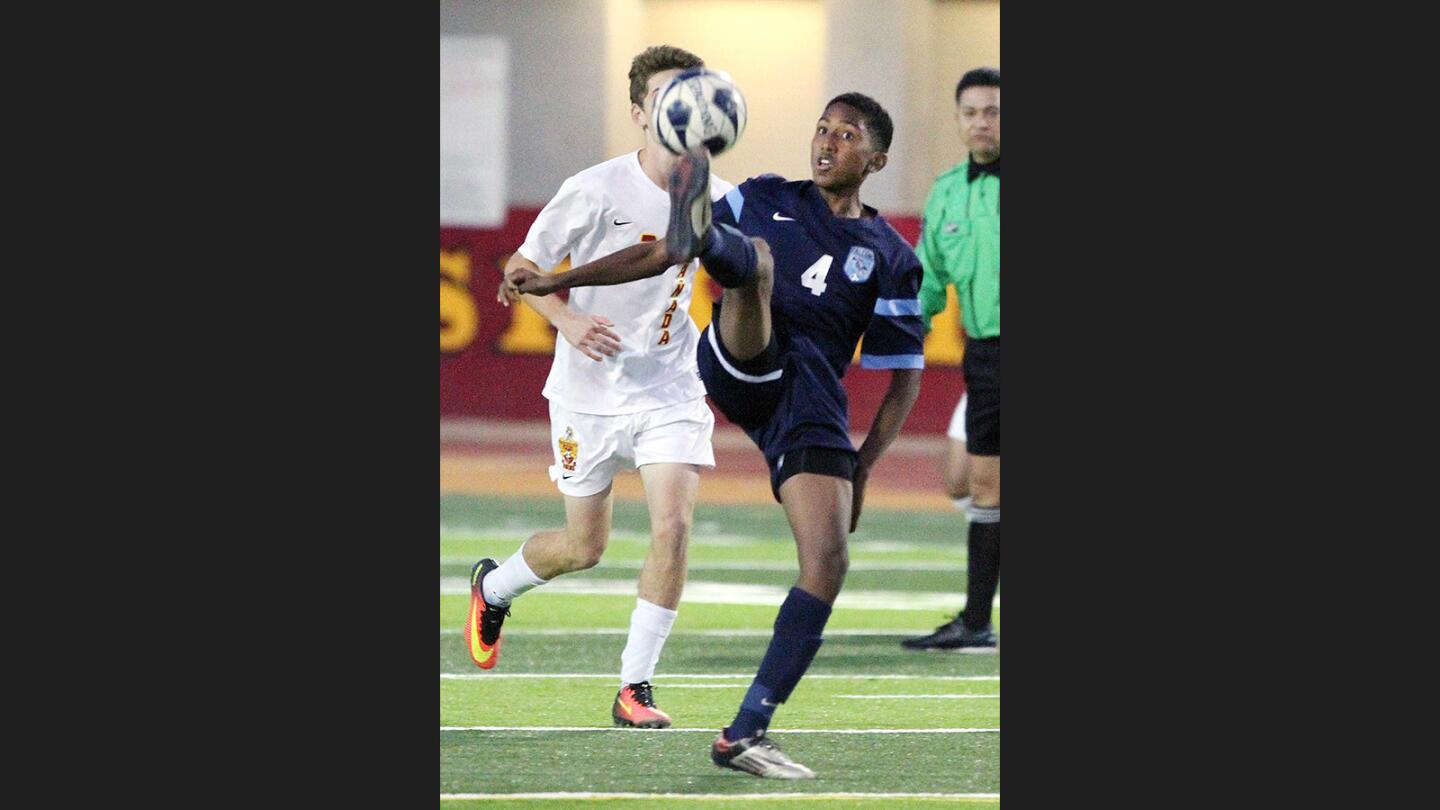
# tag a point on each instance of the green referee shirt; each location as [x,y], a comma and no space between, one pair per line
[960,245]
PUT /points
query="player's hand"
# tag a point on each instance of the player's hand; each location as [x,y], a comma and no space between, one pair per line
[529,282]
[862,474]
[507,293]
[591,334]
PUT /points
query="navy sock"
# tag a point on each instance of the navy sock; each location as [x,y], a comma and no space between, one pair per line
[728,256]
[797,638]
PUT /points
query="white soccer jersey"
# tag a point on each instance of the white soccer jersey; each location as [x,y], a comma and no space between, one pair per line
[600,210]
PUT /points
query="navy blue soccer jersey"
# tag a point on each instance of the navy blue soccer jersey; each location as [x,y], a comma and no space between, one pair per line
[835,278]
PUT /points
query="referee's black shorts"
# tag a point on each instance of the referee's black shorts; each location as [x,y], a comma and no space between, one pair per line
[982,384]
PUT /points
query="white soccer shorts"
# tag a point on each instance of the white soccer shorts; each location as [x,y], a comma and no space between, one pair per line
[957,422]
[590,448]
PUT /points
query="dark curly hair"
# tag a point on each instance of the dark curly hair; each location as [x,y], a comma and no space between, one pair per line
[877,121]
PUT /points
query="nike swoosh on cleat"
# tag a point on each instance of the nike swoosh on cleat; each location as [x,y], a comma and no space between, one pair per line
[779,218]
[478,651]
[626,706]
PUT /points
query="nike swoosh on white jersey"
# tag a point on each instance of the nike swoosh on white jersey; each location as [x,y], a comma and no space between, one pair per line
[779,218]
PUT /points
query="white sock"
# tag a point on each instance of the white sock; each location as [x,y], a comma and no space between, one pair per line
[649,626]
[963,504]
[511,579]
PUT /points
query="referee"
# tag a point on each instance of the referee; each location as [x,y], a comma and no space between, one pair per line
[960,245]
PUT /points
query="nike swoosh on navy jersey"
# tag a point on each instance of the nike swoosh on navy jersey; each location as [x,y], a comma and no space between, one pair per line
[779,218]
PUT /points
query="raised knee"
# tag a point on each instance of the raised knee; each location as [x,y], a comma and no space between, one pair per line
[587,557]
[587,547]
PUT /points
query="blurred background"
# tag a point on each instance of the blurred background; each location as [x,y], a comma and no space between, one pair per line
[533,91]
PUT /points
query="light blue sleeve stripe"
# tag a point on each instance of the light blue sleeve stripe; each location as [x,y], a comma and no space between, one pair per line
[892,361]
[736,200]
[897,306]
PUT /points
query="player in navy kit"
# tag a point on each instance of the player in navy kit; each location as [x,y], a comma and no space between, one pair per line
[807,270]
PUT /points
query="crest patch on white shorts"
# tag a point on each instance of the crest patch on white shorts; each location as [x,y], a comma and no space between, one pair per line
[569,449]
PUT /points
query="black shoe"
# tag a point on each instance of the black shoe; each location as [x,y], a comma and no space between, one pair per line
[954,635]
[757,755]
[689,205]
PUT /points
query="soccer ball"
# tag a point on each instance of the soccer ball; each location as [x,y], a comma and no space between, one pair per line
[699,107]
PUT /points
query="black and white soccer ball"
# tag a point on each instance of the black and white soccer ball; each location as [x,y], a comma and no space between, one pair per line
[699,106]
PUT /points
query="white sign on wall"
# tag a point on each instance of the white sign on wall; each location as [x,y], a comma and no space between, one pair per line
[474,90]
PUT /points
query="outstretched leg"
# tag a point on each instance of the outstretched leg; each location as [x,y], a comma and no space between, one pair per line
[741,264]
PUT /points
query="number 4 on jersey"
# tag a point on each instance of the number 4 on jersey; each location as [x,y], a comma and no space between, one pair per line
[814,276]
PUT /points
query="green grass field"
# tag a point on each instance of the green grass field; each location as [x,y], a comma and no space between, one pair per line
[881,726]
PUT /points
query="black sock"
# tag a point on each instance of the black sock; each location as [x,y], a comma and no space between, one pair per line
[984,565]
[728,256]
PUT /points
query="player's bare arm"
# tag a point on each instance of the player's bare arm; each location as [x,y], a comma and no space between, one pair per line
[629,264]
[894,408]
[590,334]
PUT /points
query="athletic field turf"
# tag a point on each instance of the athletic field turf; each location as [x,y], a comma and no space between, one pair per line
[881,726]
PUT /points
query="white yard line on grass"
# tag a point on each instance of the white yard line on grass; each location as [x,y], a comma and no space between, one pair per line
[738,593]
[623,730]
[713,796]
[811,676]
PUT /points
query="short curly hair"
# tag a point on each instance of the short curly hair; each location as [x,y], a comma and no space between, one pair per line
[877,121]
[654,59]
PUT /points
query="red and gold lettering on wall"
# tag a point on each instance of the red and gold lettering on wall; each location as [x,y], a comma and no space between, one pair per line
[483,341]
[459,317]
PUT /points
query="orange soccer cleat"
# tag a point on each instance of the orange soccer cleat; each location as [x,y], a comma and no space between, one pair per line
[482,623]
[635,707]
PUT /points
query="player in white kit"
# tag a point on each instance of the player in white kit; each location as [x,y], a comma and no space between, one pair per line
[624,392]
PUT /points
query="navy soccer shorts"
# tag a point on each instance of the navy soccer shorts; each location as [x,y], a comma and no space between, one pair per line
[790,404]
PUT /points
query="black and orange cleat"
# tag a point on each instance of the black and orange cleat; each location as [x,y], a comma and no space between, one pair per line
[482,623]
[635,707]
